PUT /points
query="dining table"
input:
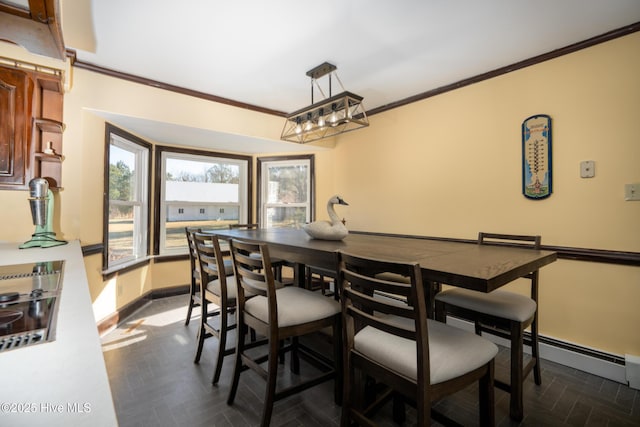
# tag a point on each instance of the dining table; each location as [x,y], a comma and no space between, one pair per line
[468,265]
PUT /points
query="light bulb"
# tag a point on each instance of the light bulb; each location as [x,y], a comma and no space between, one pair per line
[298,127]
[321,118]
[308,124]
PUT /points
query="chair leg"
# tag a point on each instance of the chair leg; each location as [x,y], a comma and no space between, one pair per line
[272,375]
[295,356]
[441,313]
[347,398]
[515,405]
[338,361]
[423,409]
[399,411]
[222,344]
[487,397]
[241,330]
[189,310]
[535,350]
[201,333]
[362,393]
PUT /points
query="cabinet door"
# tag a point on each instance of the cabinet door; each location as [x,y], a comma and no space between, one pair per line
[16,92]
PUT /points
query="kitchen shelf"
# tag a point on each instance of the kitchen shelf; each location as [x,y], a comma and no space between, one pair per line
[48,157]
[49,125]
[47,148]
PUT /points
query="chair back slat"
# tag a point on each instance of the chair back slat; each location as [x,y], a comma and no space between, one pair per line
[363,289]
[362,318]
[252,267]
[210,260]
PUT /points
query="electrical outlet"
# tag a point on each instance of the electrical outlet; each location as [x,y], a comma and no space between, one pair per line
[632,191]
[587,169]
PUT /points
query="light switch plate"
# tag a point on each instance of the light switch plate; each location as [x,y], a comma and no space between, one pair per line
[587,169]
[632,191]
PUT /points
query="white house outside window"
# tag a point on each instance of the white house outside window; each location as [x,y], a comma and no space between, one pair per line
[201,191]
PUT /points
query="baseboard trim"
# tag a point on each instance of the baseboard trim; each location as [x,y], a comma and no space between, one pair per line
[585,359]
[112,321]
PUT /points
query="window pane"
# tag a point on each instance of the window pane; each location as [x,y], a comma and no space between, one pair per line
[121,247]
[121,174]
[128,185]
[288,184]
[175,234]
[199,191]
[286,216]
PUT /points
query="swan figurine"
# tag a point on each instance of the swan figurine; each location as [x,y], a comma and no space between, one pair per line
[328,230]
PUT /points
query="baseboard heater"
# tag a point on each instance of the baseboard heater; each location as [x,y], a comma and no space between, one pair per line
[607,365]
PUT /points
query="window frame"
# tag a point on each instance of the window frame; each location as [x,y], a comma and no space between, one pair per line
[160,153]
[143,190]
[263,164]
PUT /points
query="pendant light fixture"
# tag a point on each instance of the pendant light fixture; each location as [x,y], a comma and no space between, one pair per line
[334,115]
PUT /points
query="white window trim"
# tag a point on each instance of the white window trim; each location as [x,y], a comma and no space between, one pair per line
[264,180]
[140,201]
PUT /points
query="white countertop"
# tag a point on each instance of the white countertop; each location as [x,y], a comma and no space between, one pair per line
[64,382]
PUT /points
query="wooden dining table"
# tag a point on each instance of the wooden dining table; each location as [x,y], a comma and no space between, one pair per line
[482,268]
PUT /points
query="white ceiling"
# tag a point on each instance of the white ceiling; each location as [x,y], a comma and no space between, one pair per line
[257,52]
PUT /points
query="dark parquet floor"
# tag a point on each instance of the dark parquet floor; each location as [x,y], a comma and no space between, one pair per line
[154,382]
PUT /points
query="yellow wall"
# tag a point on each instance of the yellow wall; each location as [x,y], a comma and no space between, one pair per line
[460,153]
[446,166]
[451,166]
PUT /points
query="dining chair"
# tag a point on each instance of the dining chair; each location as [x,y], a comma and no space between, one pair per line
[504,314]
[279,314]
[194,266]
[218,289]
[194,290]
[395,344]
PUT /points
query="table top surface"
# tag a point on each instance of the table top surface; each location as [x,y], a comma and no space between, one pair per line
[480,267]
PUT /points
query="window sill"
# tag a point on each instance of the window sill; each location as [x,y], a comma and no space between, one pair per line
[125,267]
[171,257]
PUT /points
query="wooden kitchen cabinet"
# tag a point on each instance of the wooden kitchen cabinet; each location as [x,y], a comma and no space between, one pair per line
[31,105]
[16,93]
